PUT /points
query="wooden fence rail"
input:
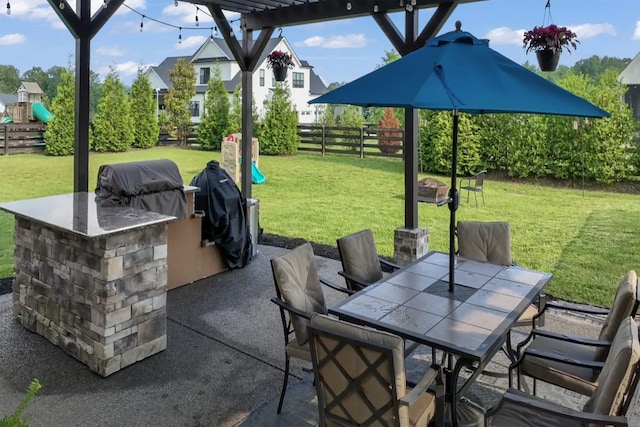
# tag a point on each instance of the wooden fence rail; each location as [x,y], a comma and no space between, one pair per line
[21,138]
[364,141]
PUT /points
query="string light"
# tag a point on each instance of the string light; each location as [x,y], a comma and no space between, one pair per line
[142,23]
[61,5]
[180,36]
[8,8]
[375,7]
[197,21]
[401,3]
[105,3]
[348,5]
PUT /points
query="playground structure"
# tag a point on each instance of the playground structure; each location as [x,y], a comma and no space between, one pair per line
[232,157]
[29,107]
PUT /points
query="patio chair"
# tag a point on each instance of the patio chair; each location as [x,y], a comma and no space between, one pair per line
[298,295]
[608,404]
[360,378]
[360,262]
[475,185]
[575,363]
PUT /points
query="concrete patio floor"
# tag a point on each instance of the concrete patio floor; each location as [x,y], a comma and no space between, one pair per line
[222,367]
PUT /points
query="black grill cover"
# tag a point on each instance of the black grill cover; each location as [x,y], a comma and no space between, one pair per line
[152,185]
[225,221]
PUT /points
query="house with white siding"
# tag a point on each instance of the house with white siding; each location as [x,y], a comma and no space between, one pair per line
[304,84]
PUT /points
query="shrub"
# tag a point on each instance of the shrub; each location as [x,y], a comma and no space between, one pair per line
[389,121]
[214,124]
[15,419]
[112,127]
[144,111]
[59,135]
[279,133]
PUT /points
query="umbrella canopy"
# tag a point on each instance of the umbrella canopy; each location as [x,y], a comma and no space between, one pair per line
[459,72]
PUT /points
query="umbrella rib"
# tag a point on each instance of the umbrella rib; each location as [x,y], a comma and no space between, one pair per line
[455,101]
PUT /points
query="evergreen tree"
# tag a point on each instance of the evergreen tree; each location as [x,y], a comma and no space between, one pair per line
[112,128]
[144,112]
[235,113]
[59,135]
[178,100]
[351,117]
[214,124]
[389,121]
[279,133]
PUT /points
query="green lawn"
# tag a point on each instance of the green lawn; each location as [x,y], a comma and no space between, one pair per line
[588,242]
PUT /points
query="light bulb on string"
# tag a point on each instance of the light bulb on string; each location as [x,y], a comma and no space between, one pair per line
[197,21]
[8,8]
[61,5]
[105,3]
[409,8]
[175,3]
[375,7]
[401,3]
[180,35]
[348,5]
[142,23]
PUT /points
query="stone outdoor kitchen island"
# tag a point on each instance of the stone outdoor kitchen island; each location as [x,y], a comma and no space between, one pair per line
[91,280]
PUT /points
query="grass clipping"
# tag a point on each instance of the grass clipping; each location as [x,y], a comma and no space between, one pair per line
[15,419]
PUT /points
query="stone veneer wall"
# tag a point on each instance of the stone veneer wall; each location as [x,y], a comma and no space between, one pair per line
[101,300]
[410,244]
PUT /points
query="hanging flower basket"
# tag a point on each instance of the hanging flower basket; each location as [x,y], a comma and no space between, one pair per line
[280,61]
[280,73]
[548,59]
[548,43]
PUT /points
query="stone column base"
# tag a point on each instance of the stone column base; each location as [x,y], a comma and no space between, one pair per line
[410,244]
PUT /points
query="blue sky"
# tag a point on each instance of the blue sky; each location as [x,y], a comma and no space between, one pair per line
[32,35]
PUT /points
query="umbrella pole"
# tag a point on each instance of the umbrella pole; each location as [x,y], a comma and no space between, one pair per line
[454,201]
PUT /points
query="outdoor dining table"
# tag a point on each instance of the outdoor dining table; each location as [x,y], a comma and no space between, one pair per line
[470,324]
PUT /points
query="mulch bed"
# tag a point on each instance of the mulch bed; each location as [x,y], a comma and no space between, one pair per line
[5,285]
[285,242]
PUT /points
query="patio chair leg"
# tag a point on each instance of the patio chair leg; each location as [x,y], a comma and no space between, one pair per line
[468,194]
[284,384]
[475,196]
[482,192]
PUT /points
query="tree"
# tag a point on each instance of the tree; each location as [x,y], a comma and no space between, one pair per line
[37,75]
[55,78]
[389,121]
[280,131]
[144,112]
[214,124]
[178,100]
[235,113]
[112,128]
[9,79]
[351,117]
[95,91]
[59,135]
[595,67]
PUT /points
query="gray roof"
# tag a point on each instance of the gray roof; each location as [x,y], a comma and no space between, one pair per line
[316,85]
[167,65]
[631,74]
[8,98]
[32,87]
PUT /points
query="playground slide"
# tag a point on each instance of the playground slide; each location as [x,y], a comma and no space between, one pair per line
[257,177]
[41,113]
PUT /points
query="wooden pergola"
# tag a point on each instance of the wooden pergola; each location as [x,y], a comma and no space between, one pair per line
[263,16]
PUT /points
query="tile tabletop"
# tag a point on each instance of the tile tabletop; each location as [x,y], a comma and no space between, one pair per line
[415,303]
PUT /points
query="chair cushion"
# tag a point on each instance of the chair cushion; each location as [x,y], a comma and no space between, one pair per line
[615,380]
[485,241]
[296,276]
[423,410]
[576,378]
[526,319]
[293,349]
[359,256]
[512,415]
[622,308]
[376,391]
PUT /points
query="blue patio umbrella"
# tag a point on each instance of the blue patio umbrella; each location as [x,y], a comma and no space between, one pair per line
[459,72]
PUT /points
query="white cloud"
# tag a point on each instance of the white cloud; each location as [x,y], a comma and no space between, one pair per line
[505,35]
[190,43]
[335,42]
[110,51]
[11,39]
[636,33]
[587,31]
[125,69]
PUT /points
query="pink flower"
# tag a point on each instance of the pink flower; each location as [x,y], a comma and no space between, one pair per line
[550,37]
[278,58]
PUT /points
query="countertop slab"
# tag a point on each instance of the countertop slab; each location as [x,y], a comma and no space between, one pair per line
[79,214]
